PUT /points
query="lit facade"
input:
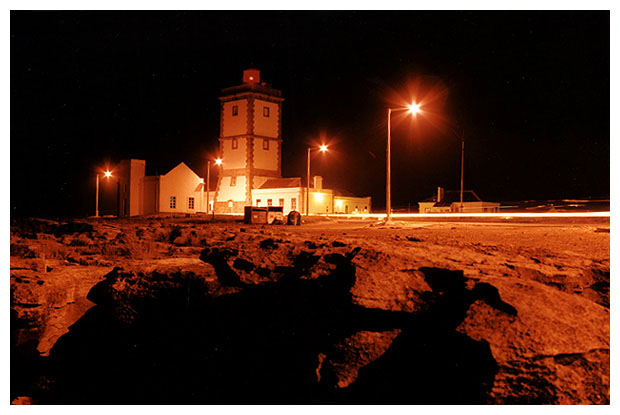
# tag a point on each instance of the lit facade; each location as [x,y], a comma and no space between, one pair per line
[250,141]
[178,191]
[250,147]
[251,152]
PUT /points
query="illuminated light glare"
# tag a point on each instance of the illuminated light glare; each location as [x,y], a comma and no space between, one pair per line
[486,215]
[323,147]
[339,203]
[318,196]
[414,108]
[466,215]
[218,161]
[107,174]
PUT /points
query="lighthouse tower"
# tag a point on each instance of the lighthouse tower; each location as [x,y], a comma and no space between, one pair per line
[250,141]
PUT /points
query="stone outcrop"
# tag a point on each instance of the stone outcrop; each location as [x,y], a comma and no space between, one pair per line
[249,316]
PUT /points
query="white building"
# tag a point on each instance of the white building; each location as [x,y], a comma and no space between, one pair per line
[250,146]
[178,191]
[251,151]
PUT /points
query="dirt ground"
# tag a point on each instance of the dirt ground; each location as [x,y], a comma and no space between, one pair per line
[501,311]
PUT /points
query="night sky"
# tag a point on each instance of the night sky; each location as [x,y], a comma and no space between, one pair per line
[530,90]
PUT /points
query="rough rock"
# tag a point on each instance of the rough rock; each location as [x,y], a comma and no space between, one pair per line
[554,350]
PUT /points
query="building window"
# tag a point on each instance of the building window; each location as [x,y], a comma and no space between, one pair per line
[230,203]
[280,202]
[233,181]
[269,202]
[266,112]
[265,144]
[293,203]
[235,144]
[257,202]
[235,110]
[190,203]
[173,202]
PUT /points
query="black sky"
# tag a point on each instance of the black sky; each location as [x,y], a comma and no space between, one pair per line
[530,89]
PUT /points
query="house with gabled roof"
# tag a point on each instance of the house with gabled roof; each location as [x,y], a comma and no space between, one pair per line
[180,190]
[250,173]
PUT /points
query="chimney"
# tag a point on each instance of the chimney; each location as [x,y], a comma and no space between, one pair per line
[440,194]
[251,76]
[318,183]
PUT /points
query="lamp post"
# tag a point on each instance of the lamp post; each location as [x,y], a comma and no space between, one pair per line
[208,182]
[460,134]
[462,163]
[413,109]
[322,148]
[218,162]
[107,175]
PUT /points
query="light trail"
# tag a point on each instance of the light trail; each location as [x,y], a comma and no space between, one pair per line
[476,215]
[458,215]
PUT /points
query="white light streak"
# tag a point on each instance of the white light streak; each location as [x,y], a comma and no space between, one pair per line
[479,215]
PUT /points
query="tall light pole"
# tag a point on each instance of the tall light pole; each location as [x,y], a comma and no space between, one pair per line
[218,162]
[413,109]
[322,148]
[107,175]
[208,182]
[462,164]
[460,134]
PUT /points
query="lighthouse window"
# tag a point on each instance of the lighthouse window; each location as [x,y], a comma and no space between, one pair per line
[266,112]
[234,143]
[233,181]
[265,144]
[235,110]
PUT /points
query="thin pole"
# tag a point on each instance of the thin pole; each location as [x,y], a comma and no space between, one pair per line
[208,182]
[97,198]
[388,174]
[308,185]
[462,163]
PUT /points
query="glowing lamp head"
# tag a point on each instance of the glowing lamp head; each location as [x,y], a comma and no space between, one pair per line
[414,108]
[107,174]
[218,161]
[323,147]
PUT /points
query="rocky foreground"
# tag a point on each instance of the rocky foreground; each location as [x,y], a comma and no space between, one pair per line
[175,311]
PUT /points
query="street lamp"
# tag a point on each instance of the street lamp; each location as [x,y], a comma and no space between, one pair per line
[107,175]
[460,134]
[218,162]
[322,148]
[414,109]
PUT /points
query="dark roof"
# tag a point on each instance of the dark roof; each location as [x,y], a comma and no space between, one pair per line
[344,193]
[261,88]
[280,183]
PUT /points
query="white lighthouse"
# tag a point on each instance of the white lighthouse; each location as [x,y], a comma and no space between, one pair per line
[250,141]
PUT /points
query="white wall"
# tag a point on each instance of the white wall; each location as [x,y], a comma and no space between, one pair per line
[227,192]
[233,158]
[182,183]
[349,204]
[321,202]
[266,159]
[235,124]
[276,194]
[266,126]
